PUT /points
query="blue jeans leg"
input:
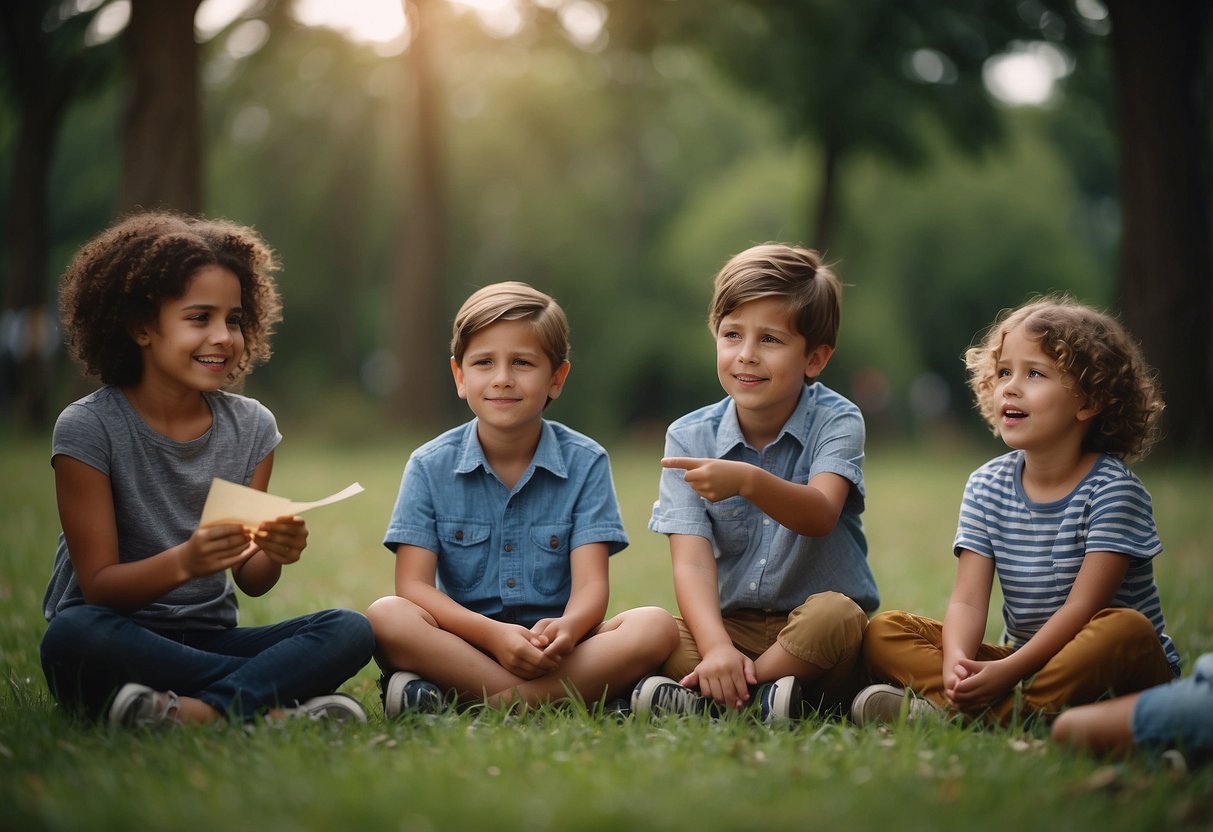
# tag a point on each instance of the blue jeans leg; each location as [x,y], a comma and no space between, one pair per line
[288,662]
[88,652]
[1179,713]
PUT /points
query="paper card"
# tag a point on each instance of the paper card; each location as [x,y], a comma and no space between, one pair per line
[228,502]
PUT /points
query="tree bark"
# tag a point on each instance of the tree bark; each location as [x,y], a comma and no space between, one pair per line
[162,161]
[420,343]
[1159,54]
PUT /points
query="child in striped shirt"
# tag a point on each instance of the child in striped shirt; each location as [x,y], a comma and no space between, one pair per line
[1063,522]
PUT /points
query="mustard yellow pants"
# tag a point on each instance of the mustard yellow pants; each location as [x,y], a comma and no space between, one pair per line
[1117,652]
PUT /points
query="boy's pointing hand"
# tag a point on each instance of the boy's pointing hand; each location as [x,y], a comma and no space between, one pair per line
[712,479]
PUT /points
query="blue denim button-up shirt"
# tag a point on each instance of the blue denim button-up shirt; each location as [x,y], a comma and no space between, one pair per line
[759,563]
[504,552]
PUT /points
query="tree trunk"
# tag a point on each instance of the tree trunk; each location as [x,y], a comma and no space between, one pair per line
[420,342]
[26,304]
[162,162]
[1166,263]
[827,198]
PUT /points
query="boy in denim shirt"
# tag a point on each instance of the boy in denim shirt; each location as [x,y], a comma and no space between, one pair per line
[514,517]
[760,497]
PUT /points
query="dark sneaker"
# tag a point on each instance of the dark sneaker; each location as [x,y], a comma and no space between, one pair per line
[778,701]
[138,706]
[618,708]
[662,696]
[339,707]
[883,704]
[407,692]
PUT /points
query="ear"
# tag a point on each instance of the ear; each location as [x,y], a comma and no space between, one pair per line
[140,336]
[457,374]
[816,361]
[558,379]
[1088,413]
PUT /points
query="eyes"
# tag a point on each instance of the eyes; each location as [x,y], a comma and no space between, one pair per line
[236,319]
[1004,372]
[517,362]
[734,335]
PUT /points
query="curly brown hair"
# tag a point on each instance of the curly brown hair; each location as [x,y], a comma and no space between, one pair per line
[118,280]
[1098,359]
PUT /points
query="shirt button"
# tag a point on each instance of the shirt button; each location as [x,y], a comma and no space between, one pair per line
[509,548]
[554,542]
[753,586]
[766,521]
[762,562]
[511,583]
[459,535]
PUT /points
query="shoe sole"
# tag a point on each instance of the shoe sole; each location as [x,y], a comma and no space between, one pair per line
[786,696]
[393,694]
[875,704]
[122,702]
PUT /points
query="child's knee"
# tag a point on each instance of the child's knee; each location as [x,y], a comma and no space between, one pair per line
[826,629]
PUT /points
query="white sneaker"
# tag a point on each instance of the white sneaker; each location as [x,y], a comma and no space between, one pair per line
[138,706]
[882,704]
[339,707]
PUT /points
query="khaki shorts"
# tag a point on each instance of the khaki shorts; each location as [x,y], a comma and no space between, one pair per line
[826,631]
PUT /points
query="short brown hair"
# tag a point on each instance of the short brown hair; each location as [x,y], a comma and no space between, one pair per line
[512,301]
[1097,357]
[812,291]
[119,279]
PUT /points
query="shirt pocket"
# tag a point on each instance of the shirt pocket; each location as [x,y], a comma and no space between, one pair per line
[465,552]
[551,573]
[730,526]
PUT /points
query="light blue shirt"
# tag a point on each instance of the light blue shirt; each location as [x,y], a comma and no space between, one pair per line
[759,563]
[1038,548]
[504,552]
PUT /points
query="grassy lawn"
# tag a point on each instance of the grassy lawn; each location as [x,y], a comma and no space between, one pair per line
[563,768]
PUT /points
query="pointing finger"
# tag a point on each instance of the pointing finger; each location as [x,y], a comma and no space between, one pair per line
[687,463]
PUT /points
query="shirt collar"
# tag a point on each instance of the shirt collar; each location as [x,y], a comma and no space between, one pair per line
[729,435]
[548,453]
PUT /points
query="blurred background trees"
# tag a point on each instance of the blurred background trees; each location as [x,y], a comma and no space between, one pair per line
[952,158]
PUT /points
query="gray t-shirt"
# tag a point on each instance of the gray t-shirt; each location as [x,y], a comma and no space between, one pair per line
[159,487]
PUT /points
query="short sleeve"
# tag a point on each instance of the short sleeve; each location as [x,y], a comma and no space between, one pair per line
[679,509]
[413,521]
[80,434]
[596,516]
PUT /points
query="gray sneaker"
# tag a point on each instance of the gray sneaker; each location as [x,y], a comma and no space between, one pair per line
[883,704]
[662,696]
[405,692]
[778,701]
[338,707]
[138,706]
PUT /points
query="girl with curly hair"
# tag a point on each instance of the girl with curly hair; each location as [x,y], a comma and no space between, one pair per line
[167,311]
[1061,520]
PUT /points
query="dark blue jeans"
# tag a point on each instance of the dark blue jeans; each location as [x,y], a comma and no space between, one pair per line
[89,652]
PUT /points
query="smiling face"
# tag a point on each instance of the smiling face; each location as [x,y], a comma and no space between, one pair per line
[1037,408]
[507,378]
[762,364]
[196,342]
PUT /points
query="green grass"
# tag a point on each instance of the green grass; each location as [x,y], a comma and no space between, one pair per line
[561,768]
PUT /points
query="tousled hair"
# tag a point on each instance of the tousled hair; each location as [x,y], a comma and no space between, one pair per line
[1098,359]
[512,301]
[812,291]
[118,280]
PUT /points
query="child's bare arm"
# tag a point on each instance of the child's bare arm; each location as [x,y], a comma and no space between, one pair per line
[811,509]
[86,511]
[1098,579]
[724,673]
[587,602]
[964,624]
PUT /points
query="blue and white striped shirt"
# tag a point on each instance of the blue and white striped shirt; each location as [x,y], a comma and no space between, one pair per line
[1038,548]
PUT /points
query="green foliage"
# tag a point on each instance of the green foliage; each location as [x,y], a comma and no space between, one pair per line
[619,179]
[564,768]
